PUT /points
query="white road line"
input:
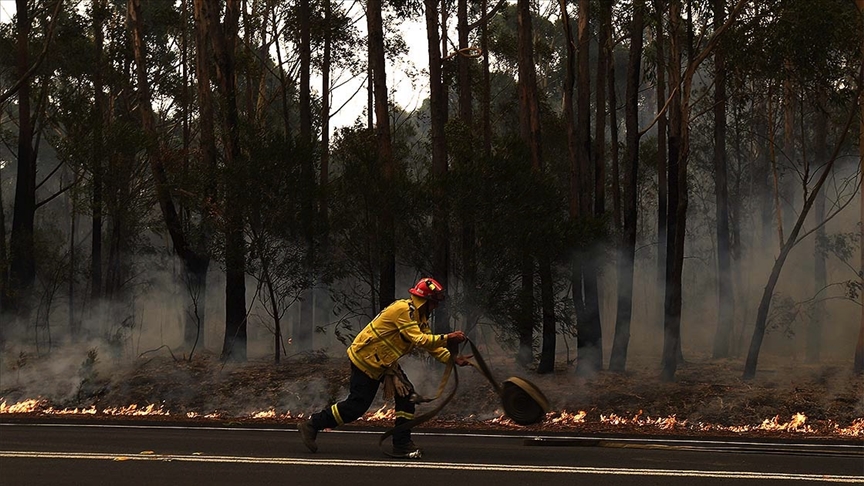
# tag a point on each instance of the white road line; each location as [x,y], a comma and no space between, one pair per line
[436,465]
[520,436]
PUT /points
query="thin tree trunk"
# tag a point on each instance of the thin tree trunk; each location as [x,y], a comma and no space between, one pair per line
[820,271]
[73,224]
[724,260]
[618,359]
[768,292]
[778,209]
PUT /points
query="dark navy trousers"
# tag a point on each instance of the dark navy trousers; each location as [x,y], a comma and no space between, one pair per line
[362,391]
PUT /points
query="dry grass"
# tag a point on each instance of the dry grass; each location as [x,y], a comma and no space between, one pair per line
[708,397]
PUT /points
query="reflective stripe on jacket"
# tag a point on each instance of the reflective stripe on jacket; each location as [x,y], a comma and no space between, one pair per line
[392,334]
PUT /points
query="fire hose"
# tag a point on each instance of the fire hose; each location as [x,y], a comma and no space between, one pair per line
[522,401]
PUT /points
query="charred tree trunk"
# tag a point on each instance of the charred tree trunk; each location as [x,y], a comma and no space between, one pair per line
[724,257]
[618,360]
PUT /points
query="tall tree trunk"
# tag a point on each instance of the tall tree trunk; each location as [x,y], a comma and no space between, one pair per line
[613,126]
[324,179]
[197,272]
[820,271]
[618,360]
[672,300]
[662,152]
[224,43]
[604,59]
[589,340]
[387,264]
[529,118]
[724,259]
[679,150]
[576,175]
[303,330]
[469,255]
[22,265]
[99,12]
[438,114]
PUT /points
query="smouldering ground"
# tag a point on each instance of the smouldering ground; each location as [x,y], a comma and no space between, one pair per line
[808,402]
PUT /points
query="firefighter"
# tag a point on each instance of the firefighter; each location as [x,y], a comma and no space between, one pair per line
[394,332]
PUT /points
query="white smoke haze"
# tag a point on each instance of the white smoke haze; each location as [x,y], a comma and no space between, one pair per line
[140,357]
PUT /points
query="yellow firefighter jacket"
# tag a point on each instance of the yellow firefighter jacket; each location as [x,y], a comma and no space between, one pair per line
[392,334]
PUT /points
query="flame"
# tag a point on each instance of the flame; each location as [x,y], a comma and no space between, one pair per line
[27,406]
[42,407]
[380,414]
[796,424]
[565,417]
[214,415]
[272,414]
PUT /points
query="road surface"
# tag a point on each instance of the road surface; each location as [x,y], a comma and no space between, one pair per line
[94,453]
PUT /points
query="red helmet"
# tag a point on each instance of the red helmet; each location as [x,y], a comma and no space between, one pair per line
[428,288]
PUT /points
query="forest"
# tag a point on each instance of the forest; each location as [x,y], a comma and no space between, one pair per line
[588,179]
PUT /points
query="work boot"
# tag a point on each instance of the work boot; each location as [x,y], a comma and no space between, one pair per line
[407,450]
[308,432]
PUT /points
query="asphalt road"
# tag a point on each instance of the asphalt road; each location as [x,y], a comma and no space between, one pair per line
[102,454]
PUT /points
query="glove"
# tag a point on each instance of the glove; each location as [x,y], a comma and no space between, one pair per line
[462,360]
[456,337]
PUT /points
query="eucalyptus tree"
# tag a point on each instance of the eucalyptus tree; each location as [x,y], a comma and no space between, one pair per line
[800,30]
[618,359]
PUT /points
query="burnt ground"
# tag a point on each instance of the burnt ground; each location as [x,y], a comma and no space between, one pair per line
[708,398]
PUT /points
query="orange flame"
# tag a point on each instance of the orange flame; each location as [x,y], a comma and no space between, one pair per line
[380,414]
